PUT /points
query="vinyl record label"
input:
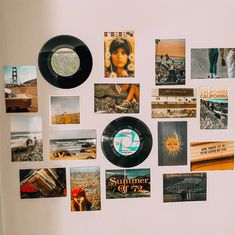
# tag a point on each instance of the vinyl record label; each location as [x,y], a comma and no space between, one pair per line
[126,142]
[65,61]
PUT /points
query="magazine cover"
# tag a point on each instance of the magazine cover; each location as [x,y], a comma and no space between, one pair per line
[65,110]
[174,103]
[181,187]
[85,188]
[20,89]
[127,183]
[43,183]
[212,63]
[172,143]
[217,155]
[213,108]
[170,61]
[119,54]
[26,138]
[72,144]
[117,98]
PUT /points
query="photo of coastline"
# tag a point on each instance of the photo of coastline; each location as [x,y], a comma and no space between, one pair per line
[26,138]
[72,144]
[170,62]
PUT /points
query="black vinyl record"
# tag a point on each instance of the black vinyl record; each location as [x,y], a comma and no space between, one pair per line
[126,142]
[65,61]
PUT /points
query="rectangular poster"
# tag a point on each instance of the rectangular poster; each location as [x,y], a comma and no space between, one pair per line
[43,183]
[172,143]
[26,138]
[64,110]
[212,63]
[119,54]
[72,144]
[181,187]
[127,183]
[214,155]
[174,103]
[117,98]
[213,108]
[170,61]
[85,188]
[20,89]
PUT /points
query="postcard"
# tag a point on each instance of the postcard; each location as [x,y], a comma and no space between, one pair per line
[213,108]
[85,188]
[26,138]
[117,98]
[43,183]
[170,61]
[20,89]
[119,54]
[65,110]
[127,183]
[172,143]
[214,155]
[174,103]
[212,63]
[182,187]
[72,144]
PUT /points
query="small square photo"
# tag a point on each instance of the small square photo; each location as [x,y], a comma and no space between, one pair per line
[64,110]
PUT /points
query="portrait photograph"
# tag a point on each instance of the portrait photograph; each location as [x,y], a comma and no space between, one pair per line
[119,54]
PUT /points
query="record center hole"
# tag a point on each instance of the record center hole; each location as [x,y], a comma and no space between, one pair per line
[126,141]
[65,62]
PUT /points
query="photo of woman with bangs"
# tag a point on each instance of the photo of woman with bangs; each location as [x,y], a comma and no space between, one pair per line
[119,59]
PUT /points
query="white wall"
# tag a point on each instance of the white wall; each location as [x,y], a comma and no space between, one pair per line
[27,25]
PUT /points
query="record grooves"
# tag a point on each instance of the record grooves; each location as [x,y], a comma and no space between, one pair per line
[65,61]
[126,142]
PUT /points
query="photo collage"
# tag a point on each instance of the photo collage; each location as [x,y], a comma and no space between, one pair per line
[126,141]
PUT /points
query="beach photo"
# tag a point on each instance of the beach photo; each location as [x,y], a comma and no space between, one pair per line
[72,144]
[26,138]
[117,98]
[170,61]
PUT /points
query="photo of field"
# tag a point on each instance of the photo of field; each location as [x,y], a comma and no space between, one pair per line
[20,89]
[85,188]
[72,144]
[26,138]
[65,110]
